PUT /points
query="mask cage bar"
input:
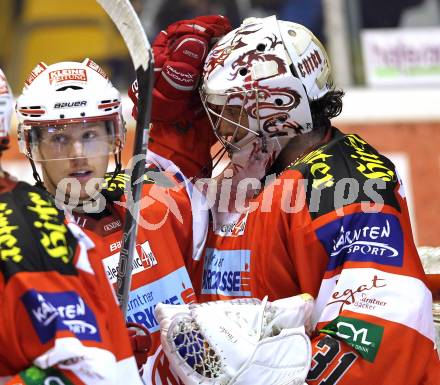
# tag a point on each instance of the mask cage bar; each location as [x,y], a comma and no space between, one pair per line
[229,145]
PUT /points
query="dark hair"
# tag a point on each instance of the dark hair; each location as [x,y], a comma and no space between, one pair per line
[326,108]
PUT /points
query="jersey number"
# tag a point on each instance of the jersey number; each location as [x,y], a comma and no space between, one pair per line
[324,359]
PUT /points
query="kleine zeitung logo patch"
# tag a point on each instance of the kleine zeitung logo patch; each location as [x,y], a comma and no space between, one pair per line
[68,74]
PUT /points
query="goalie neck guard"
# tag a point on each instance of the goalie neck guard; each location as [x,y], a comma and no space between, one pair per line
[270,70]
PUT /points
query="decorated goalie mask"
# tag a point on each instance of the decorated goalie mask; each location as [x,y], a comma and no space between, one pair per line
[69,110]
[6,107]
[260,78]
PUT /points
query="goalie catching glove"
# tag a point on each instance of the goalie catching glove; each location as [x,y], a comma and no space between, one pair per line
[238,342]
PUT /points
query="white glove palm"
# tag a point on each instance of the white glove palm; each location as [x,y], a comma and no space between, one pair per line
[238,342]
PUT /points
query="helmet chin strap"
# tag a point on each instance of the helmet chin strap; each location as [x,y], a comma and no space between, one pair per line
[39,183]
[118,164]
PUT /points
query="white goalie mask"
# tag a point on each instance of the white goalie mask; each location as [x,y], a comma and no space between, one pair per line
[69,104]
[267,71]
[6,108]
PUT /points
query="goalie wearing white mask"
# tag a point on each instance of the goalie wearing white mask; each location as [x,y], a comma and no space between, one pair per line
[326,214]
[258,84]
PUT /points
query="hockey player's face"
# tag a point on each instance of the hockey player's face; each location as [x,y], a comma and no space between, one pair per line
[231,116]
[77,167]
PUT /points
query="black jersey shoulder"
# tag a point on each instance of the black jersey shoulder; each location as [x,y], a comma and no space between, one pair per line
[346,160]
[33,235]
[117,185]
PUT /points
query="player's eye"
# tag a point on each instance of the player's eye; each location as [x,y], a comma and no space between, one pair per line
[89,135]
[59,139]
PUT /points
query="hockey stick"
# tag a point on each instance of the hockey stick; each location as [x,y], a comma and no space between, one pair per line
[128,24]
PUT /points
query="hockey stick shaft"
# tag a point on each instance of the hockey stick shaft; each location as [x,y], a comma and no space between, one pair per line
[128,24]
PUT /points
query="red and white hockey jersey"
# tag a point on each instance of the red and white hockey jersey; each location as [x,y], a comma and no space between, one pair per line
[59,321]
[164,238]
[316,229]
